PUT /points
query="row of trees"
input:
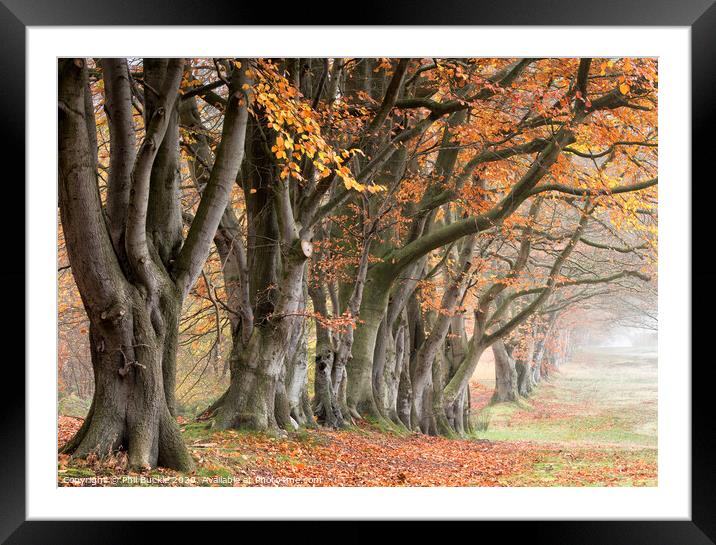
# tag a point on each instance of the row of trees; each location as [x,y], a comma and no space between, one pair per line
[418,211]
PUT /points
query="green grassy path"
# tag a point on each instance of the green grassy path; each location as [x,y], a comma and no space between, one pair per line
[603,396]
[600,408]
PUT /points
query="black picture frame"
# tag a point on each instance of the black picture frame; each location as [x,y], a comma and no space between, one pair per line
[699,15]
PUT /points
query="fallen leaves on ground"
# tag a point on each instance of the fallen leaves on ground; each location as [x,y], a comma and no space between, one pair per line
[565,434]
[364,456]
[67,426]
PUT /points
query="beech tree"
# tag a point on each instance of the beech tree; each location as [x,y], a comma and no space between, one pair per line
[131,263]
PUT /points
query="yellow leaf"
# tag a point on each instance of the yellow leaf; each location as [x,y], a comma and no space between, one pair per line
[624,89]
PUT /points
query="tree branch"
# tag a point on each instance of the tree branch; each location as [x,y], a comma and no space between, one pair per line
[136,228]
[118,106]
[391,95]
[216,195]
[584,192]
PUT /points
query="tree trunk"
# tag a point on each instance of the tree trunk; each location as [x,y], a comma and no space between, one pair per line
[524,377]
[386,373]
[129,408]
[297,375]
[439,421]
[537,362]
[405,390]
[327,405]
[282,407]
[467,407]
[133,330]
[435,341]
[523,366]
[383,357]
[460,378]
[297,366]
[505,374]
[360,398]
[387,362]
[258,367]
[393,370]
[249,401]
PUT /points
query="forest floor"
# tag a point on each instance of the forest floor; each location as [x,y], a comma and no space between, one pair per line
[592,424]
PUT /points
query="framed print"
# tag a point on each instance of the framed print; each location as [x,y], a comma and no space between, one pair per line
[418,267]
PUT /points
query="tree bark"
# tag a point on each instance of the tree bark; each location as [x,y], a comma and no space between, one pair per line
[256,368]
[326,406]
[297,369]
[130,406]
[361,402]
[523,366]
[436,339]
[505,374]
[404,400]
[129,264]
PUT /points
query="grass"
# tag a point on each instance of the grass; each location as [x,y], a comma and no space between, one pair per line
[601,397]
[602,407]
[601,467]
[72,405]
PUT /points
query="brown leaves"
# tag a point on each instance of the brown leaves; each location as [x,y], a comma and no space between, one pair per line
[367,457]
[67,426]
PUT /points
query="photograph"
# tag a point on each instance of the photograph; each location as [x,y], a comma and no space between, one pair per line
[400,271]
[428,264]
